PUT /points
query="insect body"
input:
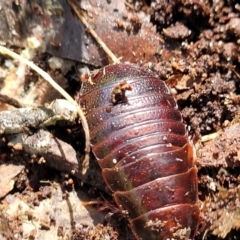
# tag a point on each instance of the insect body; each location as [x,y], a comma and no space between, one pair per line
[139,139]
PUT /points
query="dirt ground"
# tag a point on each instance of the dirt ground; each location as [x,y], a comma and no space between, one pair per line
[193,45]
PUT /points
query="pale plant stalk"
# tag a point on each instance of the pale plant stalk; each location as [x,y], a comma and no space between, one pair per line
[48,78]
[93,33]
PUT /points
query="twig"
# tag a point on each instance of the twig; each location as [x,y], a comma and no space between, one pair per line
[10,101]
[234,70]
[15,121]
[56,154]
[48,78]
[93,33]
[210,137]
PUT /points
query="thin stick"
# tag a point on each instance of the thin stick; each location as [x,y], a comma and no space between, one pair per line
[93,33]
[47,77]
[210,137]
[234,70]
[10,101]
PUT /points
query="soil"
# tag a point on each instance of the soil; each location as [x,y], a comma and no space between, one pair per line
[193,45]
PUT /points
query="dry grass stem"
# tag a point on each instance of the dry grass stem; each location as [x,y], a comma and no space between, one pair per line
[48,78]
[93,33]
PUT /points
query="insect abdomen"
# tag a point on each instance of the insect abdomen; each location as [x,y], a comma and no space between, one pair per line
[140,141]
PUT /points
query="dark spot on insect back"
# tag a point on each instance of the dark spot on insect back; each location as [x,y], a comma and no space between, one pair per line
[108,109]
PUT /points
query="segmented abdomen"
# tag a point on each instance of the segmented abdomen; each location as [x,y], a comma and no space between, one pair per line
[142,146]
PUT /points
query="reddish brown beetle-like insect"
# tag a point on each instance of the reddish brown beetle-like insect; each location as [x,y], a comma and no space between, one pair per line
[140,141]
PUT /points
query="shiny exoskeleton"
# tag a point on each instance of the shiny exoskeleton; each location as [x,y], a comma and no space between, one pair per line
[140,141]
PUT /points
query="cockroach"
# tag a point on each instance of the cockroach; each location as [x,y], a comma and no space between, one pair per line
[144,151]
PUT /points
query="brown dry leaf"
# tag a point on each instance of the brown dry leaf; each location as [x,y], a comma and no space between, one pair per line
[129,34]
[8,172]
